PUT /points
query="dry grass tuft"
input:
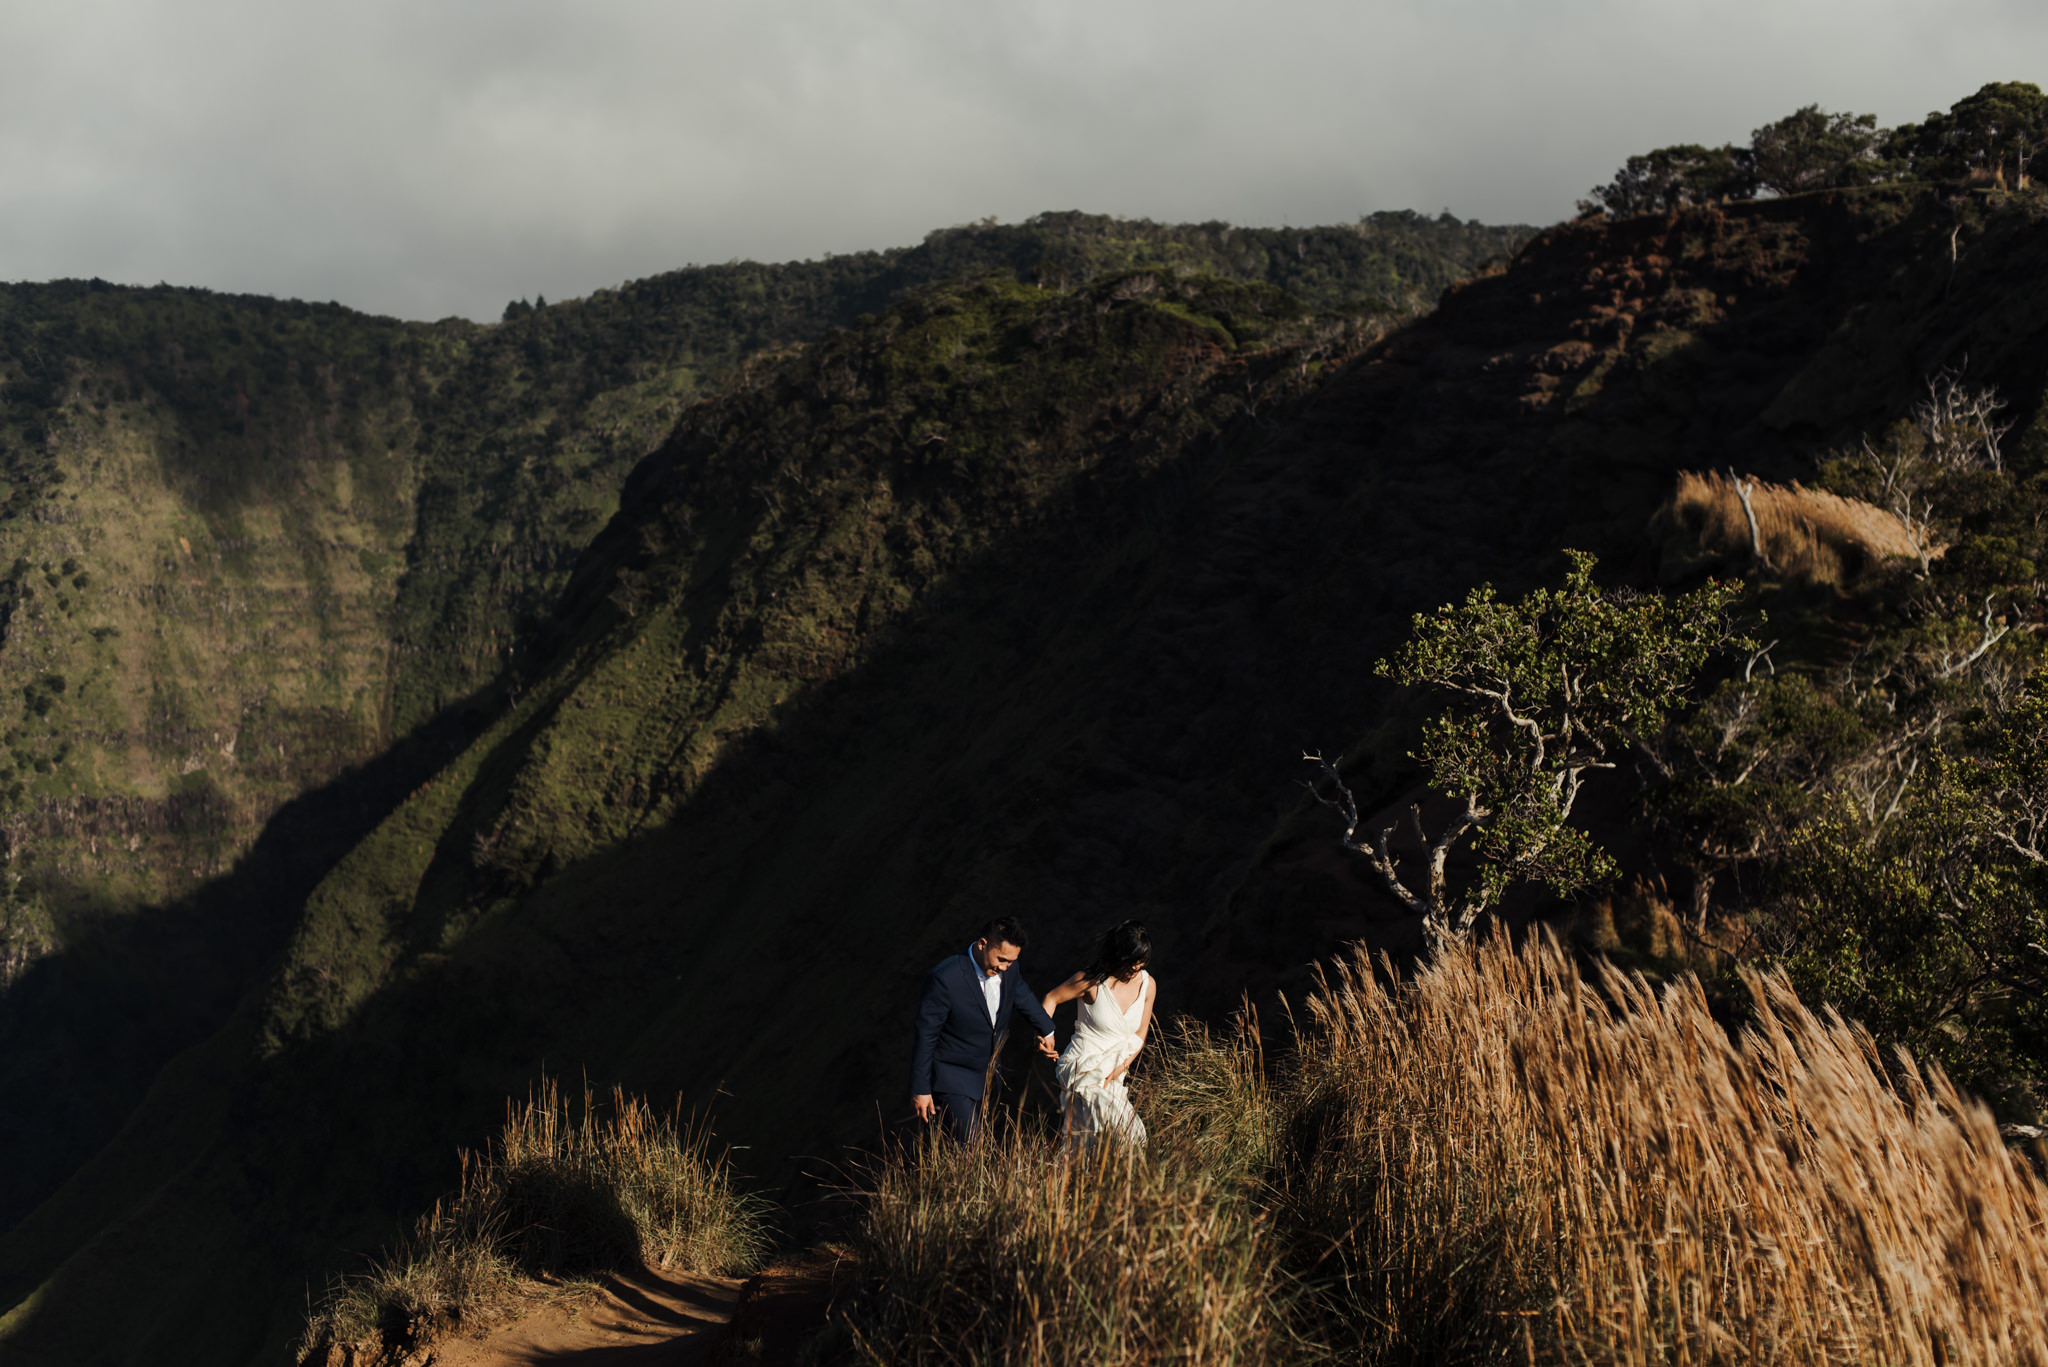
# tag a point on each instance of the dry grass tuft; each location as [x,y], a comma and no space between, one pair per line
[1774,1198]
[1003,1251]
[1636,924]
[1211,1104]
[1404,1191]
[561,1192]
[1809,536]
[613,1189]
[452,1269]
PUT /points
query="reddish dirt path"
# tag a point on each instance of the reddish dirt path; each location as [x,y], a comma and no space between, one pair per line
[651,1319]
[640,1319]
[784,1309]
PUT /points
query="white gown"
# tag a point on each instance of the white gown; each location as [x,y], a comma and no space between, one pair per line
[1104,1037]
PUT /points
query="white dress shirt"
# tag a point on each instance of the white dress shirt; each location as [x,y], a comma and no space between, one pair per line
[991,986]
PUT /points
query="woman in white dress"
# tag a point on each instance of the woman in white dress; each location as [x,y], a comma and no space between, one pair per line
[1110,1025]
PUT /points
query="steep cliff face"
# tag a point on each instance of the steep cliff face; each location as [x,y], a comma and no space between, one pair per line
[202,547]
[1012,599]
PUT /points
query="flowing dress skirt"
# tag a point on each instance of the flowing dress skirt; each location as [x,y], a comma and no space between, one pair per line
[1104,1038]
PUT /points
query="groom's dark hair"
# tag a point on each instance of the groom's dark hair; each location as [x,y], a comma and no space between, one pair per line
[1005,930]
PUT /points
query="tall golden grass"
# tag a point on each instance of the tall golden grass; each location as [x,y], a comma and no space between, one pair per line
[1809,536]
[1609,1177]
[1003,1251]
[1495,1160]
[618,1186]
[562,1190]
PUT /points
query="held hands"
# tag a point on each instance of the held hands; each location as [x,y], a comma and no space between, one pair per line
[925,1108]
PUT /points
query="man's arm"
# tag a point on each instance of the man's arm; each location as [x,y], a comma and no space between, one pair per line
[931,1018]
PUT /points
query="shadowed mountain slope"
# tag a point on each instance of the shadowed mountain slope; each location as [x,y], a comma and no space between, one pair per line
[254,542]
[1011,600]
[268,557]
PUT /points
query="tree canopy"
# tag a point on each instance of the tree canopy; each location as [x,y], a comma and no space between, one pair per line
[1990,136]
[1993,134]
[1813,150]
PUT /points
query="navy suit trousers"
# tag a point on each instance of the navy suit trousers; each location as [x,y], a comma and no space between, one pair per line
[961,1115]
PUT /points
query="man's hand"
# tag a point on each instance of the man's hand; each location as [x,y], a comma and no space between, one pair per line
[1048,1048]
[924,1106]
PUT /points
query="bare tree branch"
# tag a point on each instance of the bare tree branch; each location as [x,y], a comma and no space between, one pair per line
[1378,855]
[1756,539]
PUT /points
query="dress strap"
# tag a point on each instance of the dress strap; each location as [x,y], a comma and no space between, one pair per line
[1144,979]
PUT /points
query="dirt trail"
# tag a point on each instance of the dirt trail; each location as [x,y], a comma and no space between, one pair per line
[652,1319]
[643,1317]
[783,1312]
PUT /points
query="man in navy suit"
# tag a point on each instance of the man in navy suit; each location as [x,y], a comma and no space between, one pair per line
[962,1021]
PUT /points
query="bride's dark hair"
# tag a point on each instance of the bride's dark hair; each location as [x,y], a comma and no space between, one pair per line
[1124,946]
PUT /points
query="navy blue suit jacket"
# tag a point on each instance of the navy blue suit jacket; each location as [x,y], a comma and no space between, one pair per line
[956,1042]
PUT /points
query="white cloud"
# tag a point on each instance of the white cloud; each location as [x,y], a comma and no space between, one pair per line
[427,158]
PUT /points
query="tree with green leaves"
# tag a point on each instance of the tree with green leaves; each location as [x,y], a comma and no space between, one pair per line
[1991,135]
[1540,694]
[1932,929]
[1671,178]
[1734,777]
[1815,150]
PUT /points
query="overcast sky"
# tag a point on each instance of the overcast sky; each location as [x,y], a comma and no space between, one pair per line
[427,158]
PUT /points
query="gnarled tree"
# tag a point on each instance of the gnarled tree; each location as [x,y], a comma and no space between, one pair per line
[1539,694]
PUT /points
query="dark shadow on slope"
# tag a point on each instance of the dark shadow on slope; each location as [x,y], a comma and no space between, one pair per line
[84,1032]
[1099,720]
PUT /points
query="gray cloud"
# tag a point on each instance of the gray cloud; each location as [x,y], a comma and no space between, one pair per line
[430,158]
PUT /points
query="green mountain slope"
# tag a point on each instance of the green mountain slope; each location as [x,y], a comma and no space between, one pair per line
[269,557]
[542,420]
[927,449]
[1009,599]
[294,482]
